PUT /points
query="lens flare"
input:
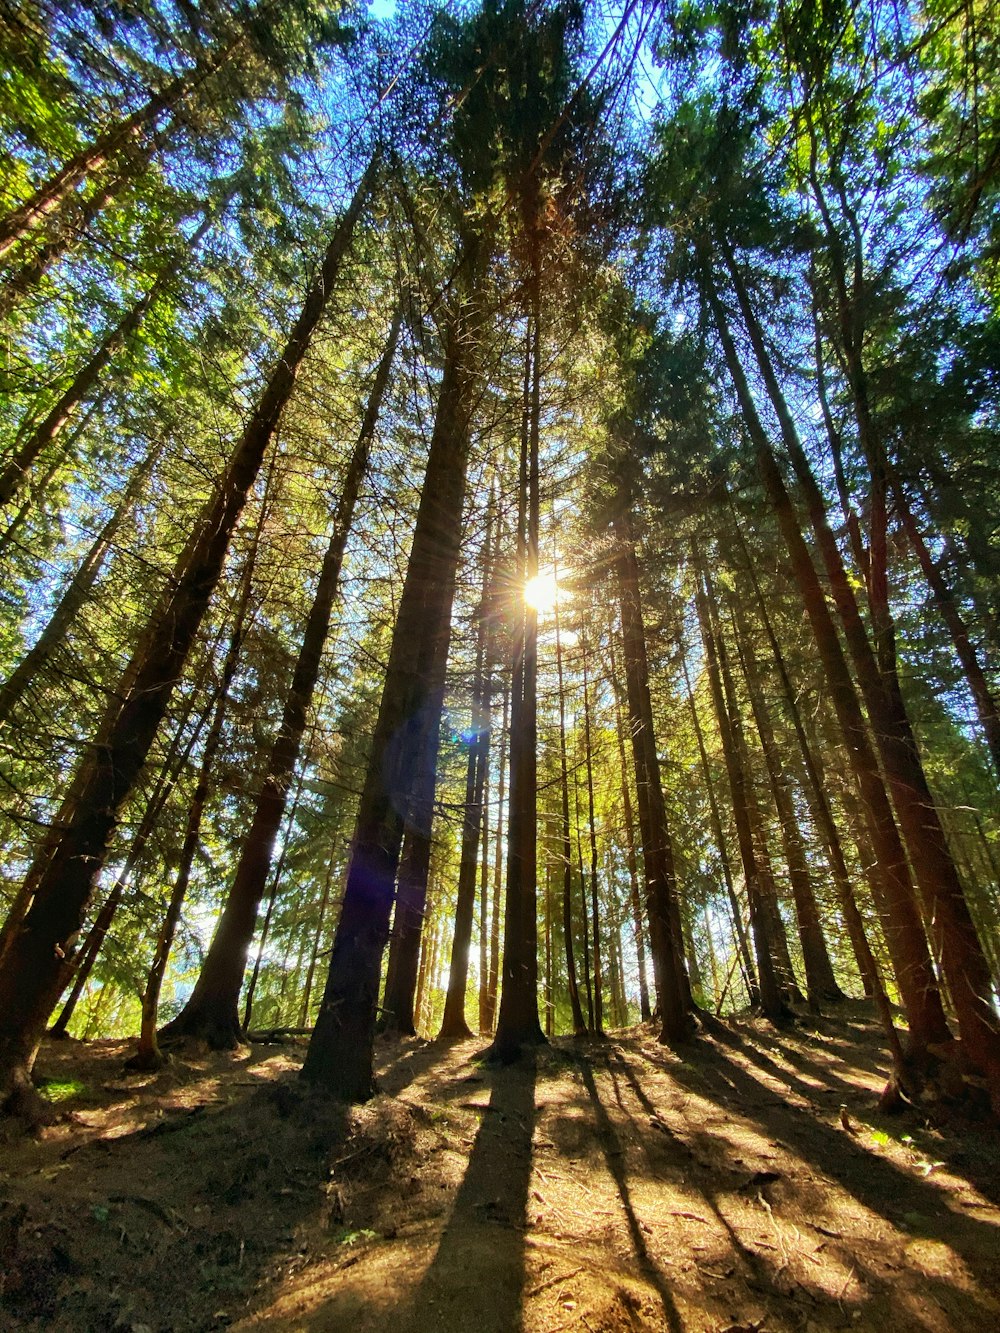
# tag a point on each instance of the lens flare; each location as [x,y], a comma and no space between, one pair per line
[542,592]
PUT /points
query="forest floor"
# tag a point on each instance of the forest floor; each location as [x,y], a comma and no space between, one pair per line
[607,1185]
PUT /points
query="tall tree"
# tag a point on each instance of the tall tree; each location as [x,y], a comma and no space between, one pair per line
[29,970]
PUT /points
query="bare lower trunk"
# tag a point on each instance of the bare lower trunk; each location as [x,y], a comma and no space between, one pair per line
[657,850]
[772,1002]
[29,970]
[630,850]
[592,827]
[339,1057]
[743,946]
[964,963]
[211,1013]
[517,1020]
[821,985]
[566,858]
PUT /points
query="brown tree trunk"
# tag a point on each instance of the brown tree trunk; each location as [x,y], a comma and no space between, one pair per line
[148,1054]
[982,694]
[53,194]
[29,970]
[584,912]
[23,280]
[498,867]
[964,962]
[211,1014]
[566,857]
[592,826]
[657,851]
[453,1024]
[317,937]
[399,1000]
[339,1058]
[628,817]
[743,946]
[484,900]
[517,1020]
[265,926]
[772,1003]
[821,985]
[87,956]
[905,934]
[14,471]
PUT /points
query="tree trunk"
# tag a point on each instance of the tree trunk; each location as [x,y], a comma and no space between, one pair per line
[453,1024]
[317,938]
[498,867]
[52,195]
[517,1021]
[265,927]
[592,825]
[399,1001]
[28,275]
[584,911]
[148,1054]
[29,971]
[566,858]
[772,1002]
[749,971]
[657,851]
[986,704]
[645,1012]
[905,934]
[83,382]
[87,956]
[821,985]
[211,1014]
[964,962]
[339,1058]
[484,903]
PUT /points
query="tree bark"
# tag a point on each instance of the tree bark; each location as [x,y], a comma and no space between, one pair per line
[628,816]
[339,1058]
[982,694]
[905,933]
[212,1012]
[517,1021]
[14,471]
[772,1002]
[749,971]
[29,970]
[566,857]
[592,826]
[657,851]
[493,981]
[821,985]
[53,193]
[453,1024]
[964,962]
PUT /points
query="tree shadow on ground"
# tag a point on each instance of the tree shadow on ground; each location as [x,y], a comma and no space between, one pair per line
[614,1157]
[476,1278]
[916,1211]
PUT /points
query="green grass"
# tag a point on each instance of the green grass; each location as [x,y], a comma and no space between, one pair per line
[55,1090]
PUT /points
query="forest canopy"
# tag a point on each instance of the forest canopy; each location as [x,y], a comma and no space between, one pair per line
[498,518]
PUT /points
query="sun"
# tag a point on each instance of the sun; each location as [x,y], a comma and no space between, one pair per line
[542,592]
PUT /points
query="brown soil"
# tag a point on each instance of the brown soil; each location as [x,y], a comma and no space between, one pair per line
[596,1186]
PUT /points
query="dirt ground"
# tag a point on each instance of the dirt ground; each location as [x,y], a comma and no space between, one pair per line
[748,1186]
